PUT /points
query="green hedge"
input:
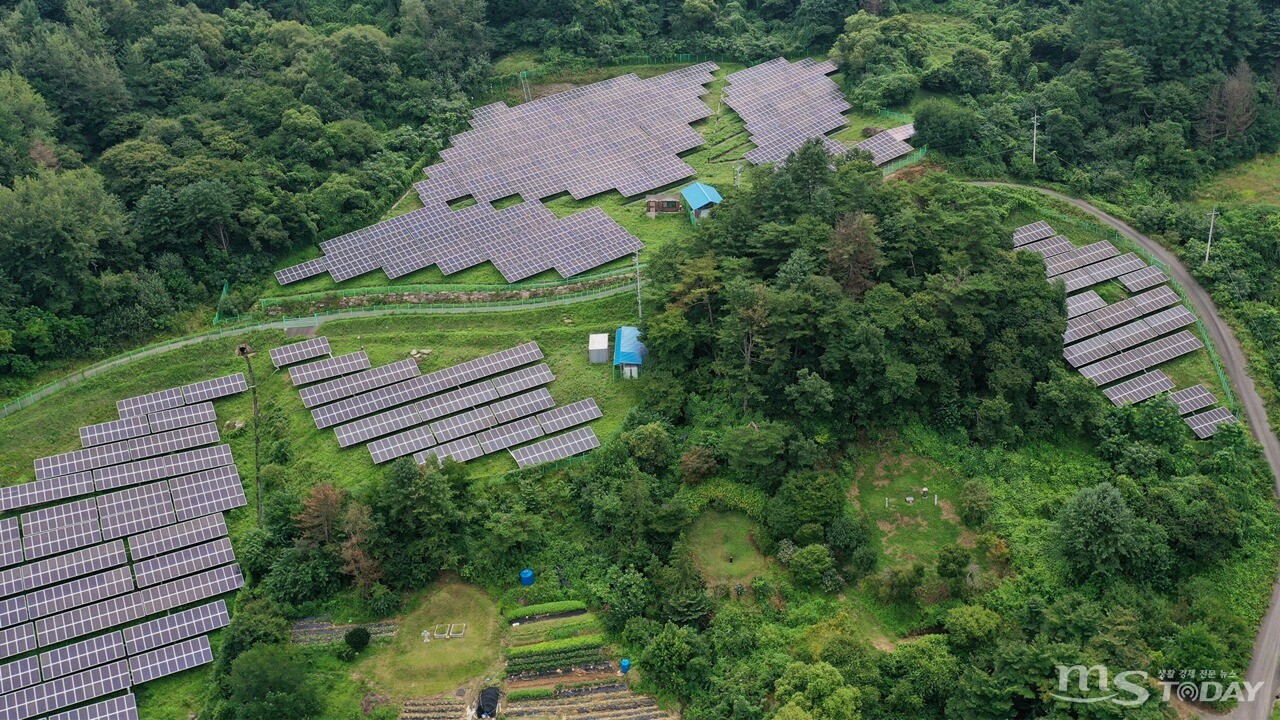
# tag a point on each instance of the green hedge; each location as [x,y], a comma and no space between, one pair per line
[544,609]
[531,694]
[585,642]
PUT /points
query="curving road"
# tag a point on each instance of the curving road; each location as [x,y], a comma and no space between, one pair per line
[1265,664]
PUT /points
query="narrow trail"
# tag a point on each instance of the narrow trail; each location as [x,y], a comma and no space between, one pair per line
[1265,663]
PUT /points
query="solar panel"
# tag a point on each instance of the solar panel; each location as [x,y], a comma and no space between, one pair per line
[214,389]
[61,539]
[170,538]
[91,589]
[1120,312]
[178,626]
[1193,398]
[1049,247]
[184,562]
[50,518]
[174,440]
[401,444]
[113,431]
[505,411]
[64,567]
[1127,336]
[510,435]
[785,104]
[522,379]
[77,461]
[158,468]
[355,407]
[1141,358]
[460,450]
[19,674]
[117,708]
[357,383]
[82,655]
[467,423]
[559,447]
[185,416]
[1145,278]
[1138,389]
[1108,269]
[40,492]
[13,611]
[328,368]
[883,146]
[17,640]
[149,403]
[301,271]
[458,400]
[192,588]
[88,619]
[570,415]
[1030,233]
[135,509]
[65,691]
[1079,257]
[170,659]
[207,492]
[1206,424]
[381,424]
[299,351]
[1084,302]
[11,552]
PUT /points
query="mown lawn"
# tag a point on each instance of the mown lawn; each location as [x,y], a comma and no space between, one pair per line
[407,667]
[724,548]
[908,532]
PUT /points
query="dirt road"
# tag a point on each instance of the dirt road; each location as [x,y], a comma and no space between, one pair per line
[1264,665]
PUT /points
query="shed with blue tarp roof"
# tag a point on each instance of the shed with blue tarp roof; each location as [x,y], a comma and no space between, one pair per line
[701,199]
[628,352]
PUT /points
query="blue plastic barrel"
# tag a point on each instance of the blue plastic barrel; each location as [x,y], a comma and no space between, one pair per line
[625,665]
[526,577]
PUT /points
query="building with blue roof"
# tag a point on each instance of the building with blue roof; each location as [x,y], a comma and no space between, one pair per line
[701,199]
[628,352]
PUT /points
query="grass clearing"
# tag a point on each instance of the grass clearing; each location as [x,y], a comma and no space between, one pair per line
[724,548]
[908,532]
[408,667]
[1254,182]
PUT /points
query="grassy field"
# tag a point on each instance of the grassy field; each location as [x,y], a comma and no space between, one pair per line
[1256,181]
[724,549]
[907,532]
[408,667]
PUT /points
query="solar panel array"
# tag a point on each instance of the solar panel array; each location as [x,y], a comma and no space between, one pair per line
[1141,358]
[785,104]
[144,478]
[299,351]
[556,448]
[884,147]
[1127,336]
[1143,387]
[1050,247]
[360,382]
[1118,313]
[1084,302]
[1101,272]
[1196,397]
[521,241]
[1147,277]
[328,368]
[1206,424]
[621,134]
[1027,234]
[1080,257]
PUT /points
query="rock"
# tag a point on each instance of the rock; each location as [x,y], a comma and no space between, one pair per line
[426,351]
[232,425]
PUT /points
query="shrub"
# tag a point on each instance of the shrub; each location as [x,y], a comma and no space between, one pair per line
[357,638]
[544,609]
[531,694]
[811,563]
[586,642]
[809,534]
[697,464]
[976,502]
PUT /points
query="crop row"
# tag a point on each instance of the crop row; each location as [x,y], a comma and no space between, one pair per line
[552,662]
[549,608]
[572,643]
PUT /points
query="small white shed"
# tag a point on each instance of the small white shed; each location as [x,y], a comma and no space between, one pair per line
[598,348]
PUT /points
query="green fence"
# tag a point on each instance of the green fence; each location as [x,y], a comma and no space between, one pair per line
[320,296]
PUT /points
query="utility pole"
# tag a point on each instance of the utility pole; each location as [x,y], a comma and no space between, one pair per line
[1035,136]
[246,352]
[1212,216]
[639,304]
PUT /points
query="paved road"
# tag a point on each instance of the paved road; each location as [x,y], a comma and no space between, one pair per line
[1266,649]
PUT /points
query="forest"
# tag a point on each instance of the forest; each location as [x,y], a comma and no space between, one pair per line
[154,153]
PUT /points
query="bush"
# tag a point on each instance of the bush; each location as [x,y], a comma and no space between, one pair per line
[357,638]
[544,609]
[380,601]
[697,464]
[976,502]
[811,563]
[810,534]
[586,642]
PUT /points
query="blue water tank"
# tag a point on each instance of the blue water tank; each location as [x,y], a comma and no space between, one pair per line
[625,665]
[526,577]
